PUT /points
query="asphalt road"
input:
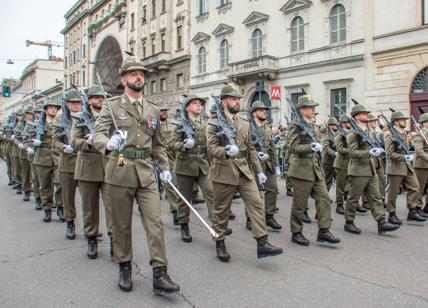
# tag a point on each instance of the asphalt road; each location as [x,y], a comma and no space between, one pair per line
[39,267]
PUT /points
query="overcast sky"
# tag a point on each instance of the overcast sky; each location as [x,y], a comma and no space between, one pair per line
[22,20]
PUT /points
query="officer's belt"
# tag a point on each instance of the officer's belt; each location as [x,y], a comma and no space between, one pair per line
[241,154]
[90,151]
[45,146]
[130,154]
[198,150]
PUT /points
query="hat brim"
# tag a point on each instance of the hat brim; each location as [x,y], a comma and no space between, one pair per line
[203,101]
[258,108]
[134,68]
[236,95]
[353,114]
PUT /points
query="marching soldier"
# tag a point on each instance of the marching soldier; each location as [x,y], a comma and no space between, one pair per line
[341,163]
[191,163]
[45,158]
[399,170]
[230,171]
[127,131]
[167,131]
[421,161]
[23,156]
[363,177]
[329,152]
[67,159]
[270,165]
[89,172]
[15,154]
[307,177]
[8,152]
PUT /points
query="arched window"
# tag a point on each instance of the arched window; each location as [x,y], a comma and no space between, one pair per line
[297,34]
[257,43]
[224,53]
[337,24]
[202,60]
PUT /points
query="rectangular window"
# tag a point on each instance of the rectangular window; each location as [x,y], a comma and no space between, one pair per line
[132,21]
[295,97]
[77,78]
[144,14]
[202,7]
[163,84]
[163,5]
[337,98]
[153,46]
[163,42]
[145,89]
[83,78]
[65,62]
[180,81]
[179,37]
[84,51]
[425,12]
[153,8]
[153,87]
[224,2]
[144,50]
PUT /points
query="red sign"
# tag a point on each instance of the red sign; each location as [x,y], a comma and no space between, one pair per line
[276,93]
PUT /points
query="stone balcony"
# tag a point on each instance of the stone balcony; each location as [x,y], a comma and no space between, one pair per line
[158,61]
[259,67]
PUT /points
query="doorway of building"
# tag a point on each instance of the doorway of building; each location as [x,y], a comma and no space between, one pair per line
[419,94]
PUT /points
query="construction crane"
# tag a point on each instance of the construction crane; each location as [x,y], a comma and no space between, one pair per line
[49,44]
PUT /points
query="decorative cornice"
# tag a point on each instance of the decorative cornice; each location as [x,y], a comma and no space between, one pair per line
[200,37]
[295,5]
[222,29]
[255,18]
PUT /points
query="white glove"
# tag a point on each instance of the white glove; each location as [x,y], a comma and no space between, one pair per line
[262,178]
[37,142]
[12,137]
[30,151]
[166,176]
[89,139]
[263,156]
[277,171]
[114,142]
[189,143]
[232,150]
[68,149]
[316,147]
[335,153]
[375,152]
[410,157]
[381,150]
[21,146]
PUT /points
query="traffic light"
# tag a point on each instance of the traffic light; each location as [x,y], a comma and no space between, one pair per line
[5,92]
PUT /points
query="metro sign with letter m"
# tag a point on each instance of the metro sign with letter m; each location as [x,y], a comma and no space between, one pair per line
[276,93]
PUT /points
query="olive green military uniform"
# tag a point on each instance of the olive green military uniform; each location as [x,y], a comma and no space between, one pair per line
[308,179]
[400,172]
[329,155]
[89,172]
[8,157]
[192,166]
[231,174]
[25,164]
[16,162]
[130,176]
[379,163]
[340,164]
[167,131]
[362,178]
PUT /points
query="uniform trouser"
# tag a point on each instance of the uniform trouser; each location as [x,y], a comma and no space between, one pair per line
[26,175]
[35,181]
[90,196]
[422,175]
[380,172]
[68,194]
[302,189]
[17,170]
[171,195]
[271,192]
[9,167]
[186,186]
[411,182]
[329,172]
[357,186]
[121,203]
[57,188]
[46,175]
[223,195]
[342,185]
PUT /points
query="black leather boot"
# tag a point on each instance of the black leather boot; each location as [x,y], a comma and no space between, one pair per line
[38,204]
[340,209]
[92,247]
[19,190]
[325,236]
[162,283]
[421,212]
[383,226]
[231,215]
[299,239]
[175,218]
[15,185]
[361,209]
[351,228]
[60,214]
[196,199]
[306,219]
[289,192]
[47,216]
[236,195]
[185,233]
[272,223]
[222,253]
[10,182]
[248,224]
[110,235]
[426,208]
[366,205]
[125,276]
[392,218]
[26,196]
[70,233]
[265,249]
[414,216]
